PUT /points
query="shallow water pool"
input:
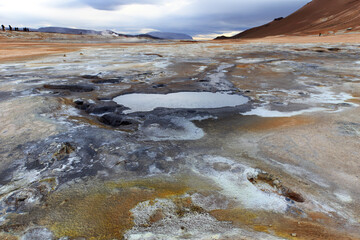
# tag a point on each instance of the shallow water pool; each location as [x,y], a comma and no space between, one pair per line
[139,102]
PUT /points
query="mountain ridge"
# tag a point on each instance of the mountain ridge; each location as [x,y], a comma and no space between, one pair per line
[170,35]
[78,31]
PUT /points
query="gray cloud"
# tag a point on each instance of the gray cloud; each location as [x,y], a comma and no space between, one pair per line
[113,4]
[191,16]
[209,16]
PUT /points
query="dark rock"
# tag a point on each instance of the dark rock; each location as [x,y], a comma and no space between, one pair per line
[334,49]
[303,94]
[159,85]
[99,108]
[288,193]
[108,81]
[71,88]
[102,107]
[153,54]
[91,77]
[115,120]
[80,104]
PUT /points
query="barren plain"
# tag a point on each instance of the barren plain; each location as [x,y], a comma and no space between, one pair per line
[255,139]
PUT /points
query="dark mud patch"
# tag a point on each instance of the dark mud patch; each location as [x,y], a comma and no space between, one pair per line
[70,87]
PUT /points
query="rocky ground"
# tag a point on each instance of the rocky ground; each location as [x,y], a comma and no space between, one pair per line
[77,162]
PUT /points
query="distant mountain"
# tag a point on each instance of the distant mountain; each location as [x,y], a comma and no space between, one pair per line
[88,32]
[316,17]
[68,30]
[169,35]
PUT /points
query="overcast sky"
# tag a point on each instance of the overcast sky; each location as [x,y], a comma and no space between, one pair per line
[195,17]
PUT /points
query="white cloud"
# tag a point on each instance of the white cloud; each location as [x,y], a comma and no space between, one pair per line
[146,30]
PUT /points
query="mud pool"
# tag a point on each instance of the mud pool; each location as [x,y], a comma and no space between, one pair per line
[182,141]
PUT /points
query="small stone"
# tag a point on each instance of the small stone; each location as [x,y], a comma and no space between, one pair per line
[293,234]
[276,182]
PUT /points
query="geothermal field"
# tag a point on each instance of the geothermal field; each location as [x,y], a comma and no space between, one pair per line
[179,140]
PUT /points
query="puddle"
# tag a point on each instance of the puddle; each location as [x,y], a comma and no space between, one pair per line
[138,102]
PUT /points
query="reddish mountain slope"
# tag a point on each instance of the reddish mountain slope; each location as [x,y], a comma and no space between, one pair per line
[318,16]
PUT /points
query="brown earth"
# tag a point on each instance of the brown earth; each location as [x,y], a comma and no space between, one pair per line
[27,46]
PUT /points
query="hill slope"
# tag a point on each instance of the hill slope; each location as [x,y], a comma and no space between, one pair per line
[67,30]
[318,16]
